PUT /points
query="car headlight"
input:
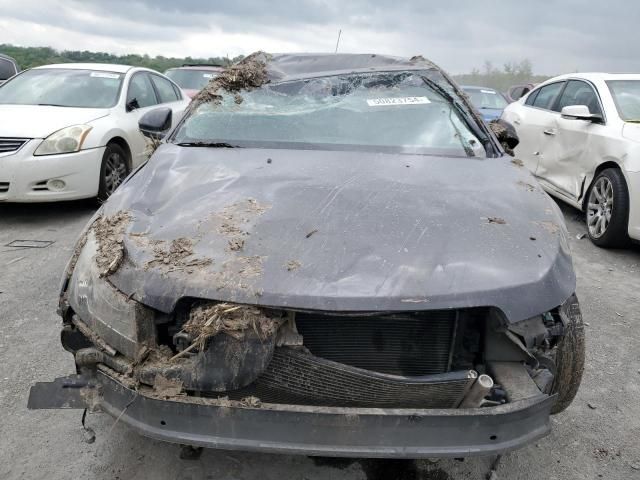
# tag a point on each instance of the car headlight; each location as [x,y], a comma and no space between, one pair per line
[67,140]
[120,321]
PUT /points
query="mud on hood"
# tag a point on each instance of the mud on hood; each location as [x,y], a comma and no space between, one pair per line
[341,231]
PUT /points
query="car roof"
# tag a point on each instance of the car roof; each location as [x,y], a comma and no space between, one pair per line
[474,87]
[7,57]
[103,67]
[213,68]
[596,76]
[285,66]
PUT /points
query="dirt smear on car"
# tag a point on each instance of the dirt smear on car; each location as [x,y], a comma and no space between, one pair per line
[527,186]
[176,255]
[165,387]
[234,223]
[109,235]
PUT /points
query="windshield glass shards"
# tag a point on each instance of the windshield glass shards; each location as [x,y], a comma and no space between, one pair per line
[401,111]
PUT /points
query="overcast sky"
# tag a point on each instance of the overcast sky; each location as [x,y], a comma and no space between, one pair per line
[557,36]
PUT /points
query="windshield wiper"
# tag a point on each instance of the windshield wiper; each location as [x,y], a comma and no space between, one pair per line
[51,105]
[207,144]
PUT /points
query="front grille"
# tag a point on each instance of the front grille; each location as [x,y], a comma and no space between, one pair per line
[295,377]
[4,187]
[11,144]
[411,344]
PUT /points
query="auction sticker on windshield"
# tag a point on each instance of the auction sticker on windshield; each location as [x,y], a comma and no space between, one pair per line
[104,75]
[382,102]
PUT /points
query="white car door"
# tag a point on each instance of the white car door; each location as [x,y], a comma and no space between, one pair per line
[141,97]
[565,168]
[533,120]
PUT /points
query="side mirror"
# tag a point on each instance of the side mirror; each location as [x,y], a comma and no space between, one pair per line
[506,134]
[580,112]
[132,105]
[156,123]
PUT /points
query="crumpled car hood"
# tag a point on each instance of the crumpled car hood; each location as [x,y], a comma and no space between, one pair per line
[342,231]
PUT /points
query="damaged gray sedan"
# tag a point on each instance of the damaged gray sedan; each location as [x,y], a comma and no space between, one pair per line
[328,255]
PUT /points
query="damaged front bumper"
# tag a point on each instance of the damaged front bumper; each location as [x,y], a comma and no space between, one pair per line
[323,431]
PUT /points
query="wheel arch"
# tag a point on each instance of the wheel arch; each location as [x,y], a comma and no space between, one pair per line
[122,143]
[601,167]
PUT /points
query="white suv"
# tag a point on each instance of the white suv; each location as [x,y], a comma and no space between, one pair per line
[580,136]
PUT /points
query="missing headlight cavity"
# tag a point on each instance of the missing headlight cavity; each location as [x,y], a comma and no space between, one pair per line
[214,347]
[208,320]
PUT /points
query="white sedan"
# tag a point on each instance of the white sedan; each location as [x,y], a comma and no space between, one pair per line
[71,131]
[580,136]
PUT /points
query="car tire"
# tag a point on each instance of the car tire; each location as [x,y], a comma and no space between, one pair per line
[608,202]
[113,171]
[569,360]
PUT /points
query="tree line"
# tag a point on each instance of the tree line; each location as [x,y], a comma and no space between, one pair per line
[511,73]
[29,57]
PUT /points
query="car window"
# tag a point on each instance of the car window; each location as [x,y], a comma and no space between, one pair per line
[7,69]
[486,98]
[141,90]
[191,79]
[626,95]
[579,93]
[165,89]
[178,93]
[532,98]
[547,95]
[63,87]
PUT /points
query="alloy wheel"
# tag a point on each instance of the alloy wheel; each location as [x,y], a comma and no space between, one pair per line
[115,172]
[600,207]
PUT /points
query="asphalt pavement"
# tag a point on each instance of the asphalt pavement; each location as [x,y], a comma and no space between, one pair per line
[597,437]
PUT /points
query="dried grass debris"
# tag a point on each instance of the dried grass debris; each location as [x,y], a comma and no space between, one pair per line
[208,320]
[176,255]
[248,74]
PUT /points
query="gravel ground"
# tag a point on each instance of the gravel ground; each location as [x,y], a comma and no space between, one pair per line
[597,437]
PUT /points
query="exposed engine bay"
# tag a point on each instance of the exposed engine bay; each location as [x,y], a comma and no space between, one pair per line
[434,359]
